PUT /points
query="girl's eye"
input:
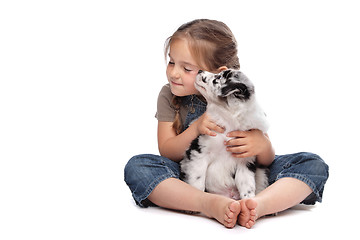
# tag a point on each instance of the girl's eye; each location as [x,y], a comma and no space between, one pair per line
[171,63]
[187,70]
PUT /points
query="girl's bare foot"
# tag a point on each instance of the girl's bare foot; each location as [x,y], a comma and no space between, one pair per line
[223,209]
[248,214]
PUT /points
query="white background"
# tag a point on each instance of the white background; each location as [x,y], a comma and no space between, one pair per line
[78,87]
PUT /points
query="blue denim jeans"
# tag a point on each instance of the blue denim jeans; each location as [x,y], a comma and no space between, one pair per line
[144,172]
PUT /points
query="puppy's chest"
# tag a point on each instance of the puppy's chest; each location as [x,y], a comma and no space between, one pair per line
[213,145]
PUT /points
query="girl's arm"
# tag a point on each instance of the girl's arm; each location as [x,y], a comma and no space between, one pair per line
[171,145]
[174,146]
[251,143]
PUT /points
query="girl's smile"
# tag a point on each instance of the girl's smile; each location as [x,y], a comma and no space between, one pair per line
[176,84]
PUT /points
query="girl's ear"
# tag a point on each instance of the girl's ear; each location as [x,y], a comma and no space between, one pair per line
[222,68]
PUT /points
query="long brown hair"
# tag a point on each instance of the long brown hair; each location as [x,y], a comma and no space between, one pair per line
[212,45]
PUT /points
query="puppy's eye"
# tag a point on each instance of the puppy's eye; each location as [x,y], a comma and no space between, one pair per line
[227,74]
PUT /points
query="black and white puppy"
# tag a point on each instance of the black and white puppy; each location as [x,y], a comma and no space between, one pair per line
[231,103]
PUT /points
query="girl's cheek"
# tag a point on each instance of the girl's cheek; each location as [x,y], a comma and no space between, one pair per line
[190,81]
[168,73]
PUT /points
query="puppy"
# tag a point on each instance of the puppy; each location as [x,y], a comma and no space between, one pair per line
[231,103]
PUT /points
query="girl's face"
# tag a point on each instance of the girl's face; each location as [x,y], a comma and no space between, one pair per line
[181,70]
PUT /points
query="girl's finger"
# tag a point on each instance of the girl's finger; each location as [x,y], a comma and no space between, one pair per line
[219,129]
[238,134]
[210,133]
[214,127]
[236,149]
[241,155]
[236,142]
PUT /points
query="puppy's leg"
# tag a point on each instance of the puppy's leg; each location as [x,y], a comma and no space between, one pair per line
[261,179]
[194,170]
[245,181]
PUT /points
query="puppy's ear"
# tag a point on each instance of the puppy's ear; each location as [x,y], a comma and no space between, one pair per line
[239,90]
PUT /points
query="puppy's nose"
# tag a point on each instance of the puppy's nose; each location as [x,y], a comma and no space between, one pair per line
[200,71]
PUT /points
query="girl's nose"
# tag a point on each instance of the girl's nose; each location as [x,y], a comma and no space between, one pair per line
[174,73]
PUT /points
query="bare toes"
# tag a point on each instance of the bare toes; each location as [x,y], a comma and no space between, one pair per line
[249,224]
[231,214]
[248,214]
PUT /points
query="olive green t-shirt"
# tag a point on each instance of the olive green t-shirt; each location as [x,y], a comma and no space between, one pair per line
[165,110]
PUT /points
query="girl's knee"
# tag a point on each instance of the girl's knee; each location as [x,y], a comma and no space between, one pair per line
[133,167]
[318,172]
[309,168]
[301,163]
[316,164]
[149,166]
[144,172]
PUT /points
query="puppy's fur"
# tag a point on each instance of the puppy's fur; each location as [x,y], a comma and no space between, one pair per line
[207,165]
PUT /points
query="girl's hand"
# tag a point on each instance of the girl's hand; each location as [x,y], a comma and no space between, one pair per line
[247,143]
[206,126]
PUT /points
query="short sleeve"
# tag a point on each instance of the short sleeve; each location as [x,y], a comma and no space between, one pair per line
[165,110]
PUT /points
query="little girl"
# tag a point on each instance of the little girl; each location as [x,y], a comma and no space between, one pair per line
[181,112]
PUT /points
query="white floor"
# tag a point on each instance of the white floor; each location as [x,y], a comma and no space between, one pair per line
[328,219]
[78,88]
[299,223]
